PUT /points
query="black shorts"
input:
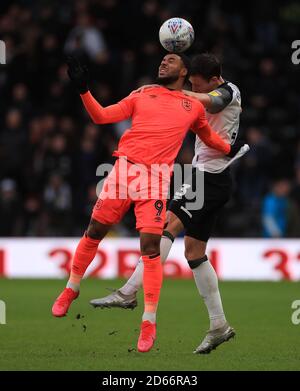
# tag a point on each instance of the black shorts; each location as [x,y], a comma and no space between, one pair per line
[199,223]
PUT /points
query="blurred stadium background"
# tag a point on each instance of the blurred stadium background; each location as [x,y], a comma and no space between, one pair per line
[49,152]
[49,149]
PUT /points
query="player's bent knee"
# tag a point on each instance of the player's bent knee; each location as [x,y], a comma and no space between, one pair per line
[150,244]
[150,249]
[97,230]
[173,224]
[197,262]
[194,248]
[191,253]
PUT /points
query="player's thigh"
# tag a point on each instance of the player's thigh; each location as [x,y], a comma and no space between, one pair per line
[173,224]
[199,222]
[194,248]
[111,204]
[110,211]
[150,243]
[184,203]
[150,215]
[200,226]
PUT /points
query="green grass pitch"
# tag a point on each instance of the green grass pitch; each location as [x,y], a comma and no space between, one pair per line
[106,339]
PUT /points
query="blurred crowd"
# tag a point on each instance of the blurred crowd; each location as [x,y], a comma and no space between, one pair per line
[50,149]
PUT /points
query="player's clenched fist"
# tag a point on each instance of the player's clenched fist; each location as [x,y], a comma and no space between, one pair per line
[78,74]
[237,147]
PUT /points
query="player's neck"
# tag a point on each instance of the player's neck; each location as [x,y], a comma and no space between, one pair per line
[176,85]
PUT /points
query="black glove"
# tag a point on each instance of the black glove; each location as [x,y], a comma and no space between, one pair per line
[78,74]
[236,147]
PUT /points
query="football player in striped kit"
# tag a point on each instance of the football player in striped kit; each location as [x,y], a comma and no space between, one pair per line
[222,101]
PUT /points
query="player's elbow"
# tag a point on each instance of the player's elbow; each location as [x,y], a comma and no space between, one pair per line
[98,120]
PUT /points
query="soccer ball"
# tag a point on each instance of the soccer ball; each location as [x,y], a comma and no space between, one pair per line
[176,35]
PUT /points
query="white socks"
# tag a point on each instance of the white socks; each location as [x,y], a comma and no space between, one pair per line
[205,277]
[151,316]
[136,279]
[75,287]
[165,246]
[207,283]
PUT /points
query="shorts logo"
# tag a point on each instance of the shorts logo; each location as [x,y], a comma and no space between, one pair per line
[187,104]
[98,204]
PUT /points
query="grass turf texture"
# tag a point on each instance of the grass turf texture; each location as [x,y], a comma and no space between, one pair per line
[106,339]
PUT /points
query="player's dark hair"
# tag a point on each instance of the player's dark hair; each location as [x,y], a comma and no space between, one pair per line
[187,63]
[206,65]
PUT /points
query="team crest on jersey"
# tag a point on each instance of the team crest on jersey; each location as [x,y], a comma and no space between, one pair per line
[187,104]
[98,204]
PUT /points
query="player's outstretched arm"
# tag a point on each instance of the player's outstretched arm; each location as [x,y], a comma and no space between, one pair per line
[99,114]
[205,99]
[205,132]
[212,139]
[214,101]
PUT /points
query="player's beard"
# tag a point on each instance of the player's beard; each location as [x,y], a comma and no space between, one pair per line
[166,80]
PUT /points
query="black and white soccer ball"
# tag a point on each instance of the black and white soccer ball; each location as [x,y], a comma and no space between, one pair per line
[176,35]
